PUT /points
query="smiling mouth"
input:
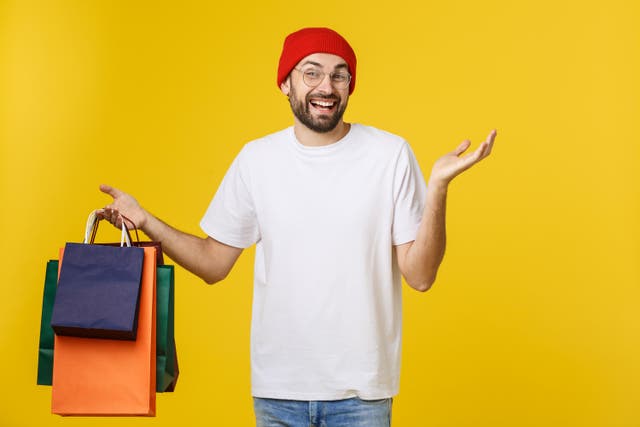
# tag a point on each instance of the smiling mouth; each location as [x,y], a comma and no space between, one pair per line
[323,104]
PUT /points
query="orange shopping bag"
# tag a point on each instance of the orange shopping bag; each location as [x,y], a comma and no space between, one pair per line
[110,377]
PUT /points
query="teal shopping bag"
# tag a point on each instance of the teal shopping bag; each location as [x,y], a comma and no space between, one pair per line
[45,348]
[166,357]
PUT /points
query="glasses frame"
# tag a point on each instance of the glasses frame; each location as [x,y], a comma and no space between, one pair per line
[323,75]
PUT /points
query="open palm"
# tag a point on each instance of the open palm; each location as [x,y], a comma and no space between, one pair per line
[452,164]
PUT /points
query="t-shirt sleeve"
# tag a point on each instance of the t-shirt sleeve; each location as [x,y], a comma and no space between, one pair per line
[230,217]
[410,193]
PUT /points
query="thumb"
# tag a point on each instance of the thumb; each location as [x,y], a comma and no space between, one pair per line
[113,192]
[462,147]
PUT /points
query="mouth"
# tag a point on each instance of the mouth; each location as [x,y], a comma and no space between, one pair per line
[323,105]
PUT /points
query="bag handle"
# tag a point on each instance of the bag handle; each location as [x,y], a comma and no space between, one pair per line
[92,228]
[133,224]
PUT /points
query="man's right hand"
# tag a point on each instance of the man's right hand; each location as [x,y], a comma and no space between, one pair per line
[122,204]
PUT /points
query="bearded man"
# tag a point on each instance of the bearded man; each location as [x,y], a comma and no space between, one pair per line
[338,212]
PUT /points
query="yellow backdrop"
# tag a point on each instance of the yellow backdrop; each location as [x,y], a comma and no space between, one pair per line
[534,318]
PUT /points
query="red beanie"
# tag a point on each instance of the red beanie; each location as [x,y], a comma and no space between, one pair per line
[304,42]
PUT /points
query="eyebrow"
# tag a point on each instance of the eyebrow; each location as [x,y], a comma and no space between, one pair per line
[339,66]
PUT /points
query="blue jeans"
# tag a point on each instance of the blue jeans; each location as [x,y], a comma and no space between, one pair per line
[352,412]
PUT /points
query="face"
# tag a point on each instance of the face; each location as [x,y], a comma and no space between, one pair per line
[319,108]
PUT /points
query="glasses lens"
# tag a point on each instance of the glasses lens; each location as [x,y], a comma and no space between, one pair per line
[313,78]
[340,80]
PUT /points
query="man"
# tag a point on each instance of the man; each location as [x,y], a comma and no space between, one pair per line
[338,212]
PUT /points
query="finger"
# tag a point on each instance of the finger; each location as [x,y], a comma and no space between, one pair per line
[117,221]
[488,150]
[477,155]
[100,213]
[484,150]
[490,139]
[474,157]
[464,145]
[112,191]
[486,146]
[109,213]
[492,135]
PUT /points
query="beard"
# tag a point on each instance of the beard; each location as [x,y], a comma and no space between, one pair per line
[323,123]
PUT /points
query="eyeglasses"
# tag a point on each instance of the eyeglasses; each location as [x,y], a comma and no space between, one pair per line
[312,77]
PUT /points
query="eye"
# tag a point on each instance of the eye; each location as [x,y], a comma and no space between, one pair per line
[312,74]
[340,77]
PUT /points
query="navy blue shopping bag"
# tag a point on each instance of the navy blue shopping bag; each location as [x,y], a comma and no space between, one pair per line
[98,292]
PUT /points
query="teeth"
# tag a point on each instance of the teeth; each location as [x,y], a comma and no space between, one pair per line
[323,103]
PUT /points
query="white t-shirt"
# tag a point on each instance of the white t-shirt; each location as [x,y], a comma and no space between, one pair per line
[327,319]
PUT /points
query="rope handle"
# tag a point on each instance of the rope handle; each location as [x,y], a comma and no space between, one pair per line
[91,229]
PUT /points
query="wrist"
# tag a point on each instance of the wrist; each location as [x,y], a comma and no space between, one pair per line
[438,185]
[145,220]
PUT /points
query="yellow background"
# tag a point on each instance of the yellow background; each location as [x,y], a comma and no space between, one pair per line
[534,318]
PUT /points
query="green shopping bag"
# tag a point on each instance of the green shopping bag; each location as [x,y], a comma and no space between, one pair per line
[45,349]
[166,359]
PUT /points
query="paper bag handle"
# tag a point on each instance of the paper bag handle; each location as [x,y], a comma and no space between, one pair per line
[92,228]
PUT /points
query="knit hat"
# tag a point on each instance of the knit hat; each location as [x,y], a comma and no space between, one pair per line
[306,41]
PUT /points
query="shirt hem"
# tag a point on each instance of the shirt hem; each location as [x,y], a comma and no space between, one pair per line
[404,237]
[210,230]
[266,394]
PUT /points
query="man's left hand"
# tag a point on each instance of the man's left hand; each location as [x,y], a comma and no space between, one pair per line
[452,164]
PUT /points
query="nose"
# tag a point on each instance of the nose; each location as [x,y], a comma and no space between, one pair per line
[325,85]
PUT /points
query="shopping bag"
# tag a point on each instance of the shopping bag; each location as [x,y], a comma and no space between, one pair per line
[144,244]
[98,290]
[45,347]
[172,386]
[166,356]
[136,242]
[167,370]
[110,377]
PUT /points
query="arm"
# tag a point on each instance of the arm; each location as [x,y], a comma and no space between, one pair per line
[205,257]
[419,260]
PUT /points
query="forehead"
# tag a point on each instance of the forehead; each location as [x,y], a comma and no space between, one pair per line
[323,60]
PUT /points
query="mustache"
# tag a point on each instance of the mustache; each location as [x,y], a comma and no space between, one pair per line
[331,97]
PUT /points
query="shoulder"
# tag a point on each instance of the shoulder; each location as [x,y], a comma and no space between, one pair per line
[377,134]
[268,143]
[387,143]
[266,148]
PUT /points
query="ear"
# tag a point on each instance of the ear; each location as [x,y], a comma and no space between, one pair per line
[285,86]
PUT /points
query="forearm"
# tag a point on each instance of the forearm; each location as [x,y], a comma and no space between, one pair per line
[205,257]
[425,254]
[194,253]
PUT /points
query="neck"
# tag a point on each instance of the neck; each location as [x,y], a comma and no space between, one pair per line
[311,138]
